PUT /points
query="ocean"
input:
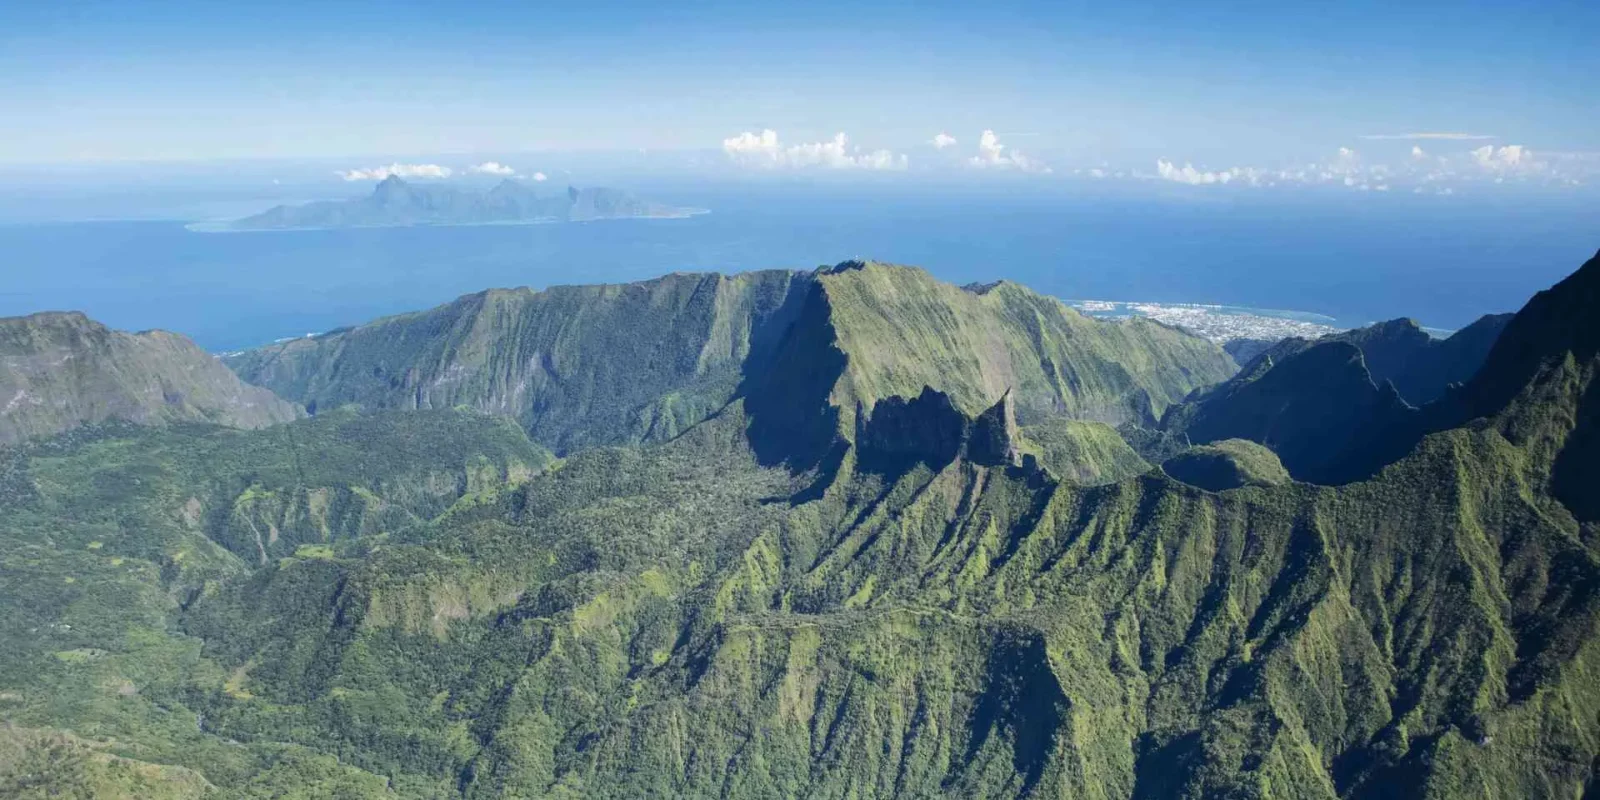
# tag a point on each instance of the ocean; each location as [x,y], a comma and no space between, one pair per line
[1443,261]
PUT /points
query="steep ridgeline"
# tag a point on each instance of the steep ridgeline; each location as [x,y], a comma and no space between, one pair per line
[395,202]
[923,612]
[61,370]
[1400,352]
[1317,408]
[869,331]
[901,330]
[1543,365]
[577,365]
[1337,408]
[1420,366]
[587,365]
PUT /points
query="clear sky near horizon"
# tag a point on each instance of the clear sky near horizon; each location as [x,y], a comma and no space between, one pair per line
[1232,85]
[1358,159]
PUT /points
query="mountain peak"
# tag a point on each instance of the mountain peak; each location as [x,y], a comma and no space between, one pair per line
[148,377]
[391,188]
[51,318]
[1556,322]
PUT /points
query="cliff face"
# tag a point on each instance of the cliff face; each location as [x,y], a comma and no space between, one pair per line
[581,366]
[903,330]
[62,370]
[833,588]
[576,365]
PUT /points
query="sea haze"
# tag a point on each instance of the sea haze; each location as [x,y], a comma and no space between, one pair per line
[1443,261]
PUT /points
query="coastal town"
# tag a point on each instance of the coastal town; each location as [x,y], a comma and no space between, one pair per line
[1220,324]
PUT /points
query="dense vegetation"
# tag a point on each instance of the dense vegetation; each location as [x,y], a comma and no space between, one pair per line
[581,366]
[1228,464]
[881,570]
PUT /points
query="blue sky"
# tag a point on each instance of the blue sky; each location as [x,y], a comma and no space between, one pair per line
[1238,89]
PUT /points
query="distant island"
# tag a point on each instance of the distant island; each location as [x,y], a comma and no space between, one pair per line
[394,202]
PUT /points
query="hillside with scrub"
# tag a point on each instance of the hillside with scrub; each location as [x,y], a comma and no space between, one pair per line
[838,534]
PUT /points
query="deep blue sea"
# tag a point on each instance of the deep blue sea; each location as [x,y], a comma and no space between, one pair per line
[1443,261]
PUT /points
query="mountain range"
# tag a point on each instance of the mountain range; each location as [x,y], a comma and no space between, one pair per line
[850,532]
[397,202]
[62,370]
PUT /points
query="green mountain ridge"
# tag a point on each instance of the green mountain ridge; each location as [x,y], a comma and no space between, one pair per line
[598,365]
[1318,409]
[858,576]
[1400,352]
[1227,464]
[59,370]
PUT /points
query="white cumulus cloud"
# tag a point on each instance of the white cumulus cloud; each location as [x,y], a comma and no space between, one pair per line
[764,150]
[942,140]
[1424,171]
[1166,170]
[539,177]
[1503,159]
[747,144]
[492,168]
[991,153]
[395,170]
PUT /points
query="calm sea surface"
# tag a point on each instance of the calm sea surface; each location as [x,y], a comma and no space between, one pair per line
[1443,261]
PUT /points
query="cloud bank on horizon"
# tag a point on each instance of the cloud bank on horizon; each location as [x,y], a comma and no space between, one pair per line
[764,151]
[992,155]
[434,172]
[492,168]
[396,170]
[1422,172]
[1416,169]
[1449,163]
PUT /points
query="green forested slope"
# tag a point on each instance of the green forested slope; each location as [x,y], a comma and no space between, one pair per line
[901,330]
[577,365]
[62,370]
[1318,409]
[919,608]
[109,533]
[1227,464]
[592,365]
[1080,451]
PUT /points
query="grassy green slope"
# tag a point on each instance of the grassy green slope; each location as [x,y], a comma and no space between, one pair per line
[598,365]
[108,533]
[61,370]
[903,330]
[577,365]
[1080,451]
[1227,464]
[680,620]
[961,631]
